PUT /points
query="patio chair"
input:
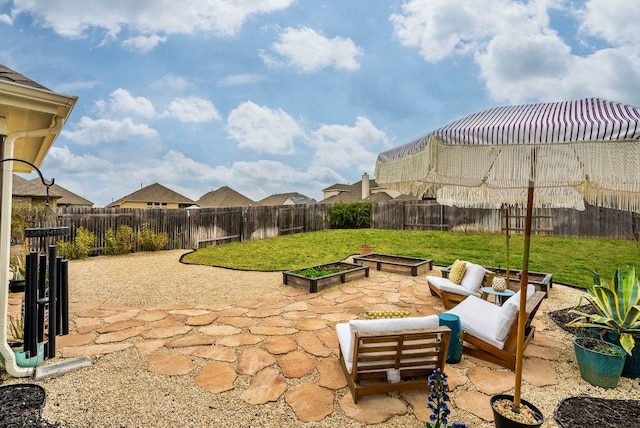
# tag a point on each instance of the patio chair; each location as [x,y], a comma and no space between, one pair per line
[454,290]
[490,331]
[397,354]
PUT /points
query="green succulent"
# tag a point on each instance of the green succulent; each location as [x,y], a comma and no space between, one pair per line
[616,305]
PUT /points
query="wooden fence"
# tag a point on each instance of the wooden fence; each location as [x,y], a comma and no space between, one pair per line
[196,228]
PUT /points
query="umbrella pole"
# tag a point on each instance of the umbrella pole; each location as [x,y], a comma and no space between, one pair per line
[522,315]
[506,228]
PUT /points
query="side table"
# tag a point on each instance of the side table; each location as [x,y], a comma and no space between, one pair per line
[454,354]
[498,296]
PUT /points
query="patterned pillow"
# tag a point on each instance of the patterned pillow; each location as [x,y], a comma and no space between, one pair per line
[457,271]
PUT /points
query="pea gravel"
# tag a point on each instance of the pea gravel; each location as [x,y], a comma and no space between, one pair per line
[118,391]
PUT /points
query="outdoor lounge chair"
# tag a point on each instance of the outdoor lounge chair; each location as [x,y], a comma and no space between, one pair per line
[475,277]
[397,354]
[490,331]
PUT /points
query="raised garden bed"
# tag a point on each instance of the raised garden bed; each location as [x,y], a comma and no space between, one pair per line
[323,275]
[399,264]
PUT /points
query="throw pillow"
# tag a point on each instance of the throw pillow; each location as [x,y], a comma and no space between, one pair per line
[457,271]
[372,315]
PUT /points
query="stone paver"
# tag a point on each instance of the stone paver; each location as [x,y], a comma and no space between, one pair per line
[284,347]
[310,402]
[252,360]
[280,344]
[475,402]
[330,374]
[372,409]
[491,381]
[169,364]
[296,364]
[267,385]
[216,377]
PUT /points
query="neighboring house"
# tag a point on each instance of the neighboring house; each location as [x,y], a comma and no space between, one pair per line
[153,196]
[365,190]
[292,198]
[67,197]
[224,197]
[28,193]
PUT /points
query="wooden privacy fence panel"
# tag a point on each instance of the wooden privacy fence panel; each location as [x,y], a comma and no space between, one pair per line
[195,228]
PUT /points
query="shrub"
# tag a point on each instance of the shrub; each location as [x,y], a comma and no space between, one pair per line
[152,241]
[80,248]
[350,216]
[120,241]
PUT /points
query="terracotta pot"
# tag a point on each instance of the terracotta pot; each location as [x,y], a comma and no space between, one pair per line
[365,249]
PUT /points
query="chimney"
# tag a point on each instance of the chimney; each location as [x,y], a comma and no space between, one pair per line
[365,186]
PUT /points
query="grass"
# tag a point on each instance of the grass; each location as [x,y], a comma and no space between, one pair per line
[570,260]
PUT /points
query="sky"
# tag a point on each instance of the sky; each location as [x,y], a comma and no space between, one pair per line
[276,96]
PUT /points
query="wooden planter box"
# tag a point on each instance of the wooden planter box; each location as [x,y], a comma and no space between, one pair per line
[391,263]
[345,272]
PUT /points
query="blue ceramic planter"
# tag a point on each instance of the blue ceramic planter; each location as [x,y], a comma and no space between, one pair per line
[598,368]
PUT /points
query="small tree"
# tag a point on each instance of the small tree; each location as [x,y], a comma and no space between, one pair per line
[120,241]
[81,246]
[152,241]
[350,216]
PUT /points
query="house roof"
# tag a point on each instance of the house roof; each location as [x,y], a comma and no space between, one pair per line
[27,188]
[224,197]
[348,192]
[153,193]
[281,198]
[9,75]
[67,197]
[32,114]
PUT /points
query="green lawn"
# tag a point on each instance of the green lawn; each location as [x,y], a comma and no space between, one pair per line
[570,260]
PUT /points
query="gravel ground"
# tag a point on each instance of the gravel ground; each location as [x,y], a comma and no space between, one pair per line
[118,391]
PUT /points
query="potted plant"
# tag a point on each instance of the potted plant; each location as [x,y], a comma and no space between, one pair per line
[600,362]
[365,249]
[17,283]
[505,414]
[616,310]
[16,342]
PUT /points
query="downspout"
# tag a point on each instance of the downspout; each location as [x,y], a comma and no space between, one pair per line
[5,240]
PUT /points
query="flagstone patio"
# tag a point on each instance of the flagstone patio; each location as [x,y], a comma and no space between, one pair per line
[273,340]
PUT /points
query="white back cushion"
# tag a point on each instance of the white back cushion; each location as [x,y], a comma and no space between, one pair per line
[509,313]
[472,279]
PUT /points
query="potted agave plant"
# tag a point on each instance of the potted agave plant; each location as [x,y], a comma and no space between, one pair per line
[616,312]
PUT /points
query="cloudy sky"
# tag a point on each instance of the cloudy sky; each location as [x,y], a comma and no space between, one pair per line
[274,96]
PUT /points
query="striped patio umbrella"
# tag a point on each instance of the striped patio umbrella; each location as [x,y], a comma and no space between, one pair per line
[570,152]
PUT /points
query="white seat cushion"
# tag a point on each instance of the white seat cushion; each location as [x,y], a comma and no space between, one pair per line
[472,279]
[445,285]
[480,319]
[346,331]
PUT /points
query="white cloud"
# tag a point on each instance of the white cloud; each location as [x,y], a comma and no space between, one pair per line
[186,109]
[6,19]
[171,83]
[61,159]
[521,57]
[615,21]
[307,51]
[75,18]
[77,85]
[192,110]
[241,79]
[341,147]
[123,103]
[263,129]
[89,132]
[143,43]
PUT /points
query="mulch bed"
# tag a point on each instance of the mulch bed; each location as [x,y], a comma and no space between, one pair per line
[562,317]
[21,406]
[580,412]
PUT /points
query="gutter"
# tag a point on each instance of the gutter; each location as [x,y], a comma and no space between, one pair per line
[5,238]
